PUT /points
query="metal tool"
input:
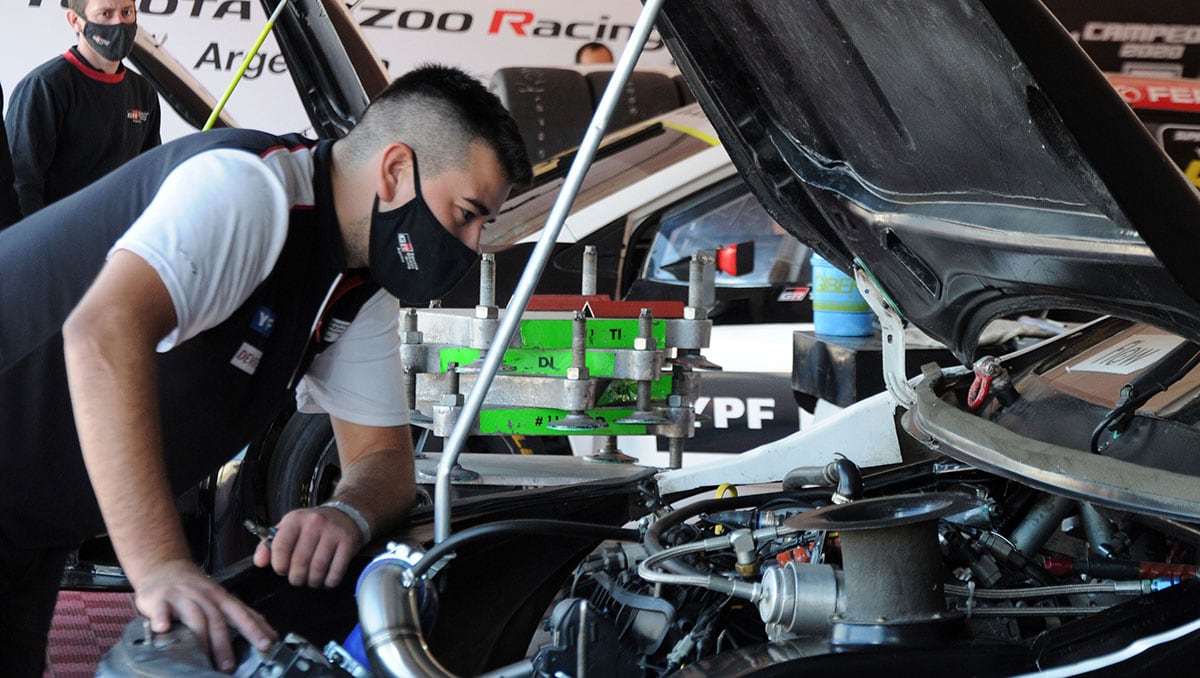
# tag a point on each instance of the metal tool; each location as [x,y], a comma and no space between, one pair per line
[264,533]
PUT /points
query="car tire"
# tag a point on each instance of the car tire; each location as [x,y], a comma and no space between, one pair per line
[304,467]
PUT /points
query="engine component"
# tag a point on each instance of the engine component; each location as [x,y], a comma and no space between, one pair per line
[886,604]
[1042,520]
[582,645]
[842,473]
[800,599]
[180,652]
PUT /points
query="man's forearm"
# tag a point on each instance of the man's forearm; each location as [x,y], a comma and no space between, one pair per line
[117,418]
[113,380]
[381,485]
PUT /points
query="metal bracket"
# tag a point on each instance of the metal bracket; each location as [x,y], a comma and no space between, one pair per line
[892,336]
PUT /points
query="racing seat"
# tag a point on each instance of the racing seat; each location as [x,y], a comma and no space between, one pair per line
[552,107]
[646,95]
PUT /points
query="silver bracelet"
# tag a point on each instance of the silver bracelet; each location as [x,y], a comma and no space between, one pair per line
[354,514]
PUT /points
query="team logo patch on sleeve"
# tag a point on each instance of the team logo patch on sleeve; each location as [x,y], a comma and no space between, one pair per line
[334,329]
[263,321]
[247,358]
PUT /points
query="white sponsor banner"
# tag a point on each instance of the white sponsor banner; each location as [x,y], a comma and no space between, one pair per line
[211,37]
[1135,354]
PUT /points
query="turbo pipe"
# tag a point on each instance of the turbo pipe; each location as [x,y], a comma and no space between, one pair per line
[391,627]
[389,611]
[537,262]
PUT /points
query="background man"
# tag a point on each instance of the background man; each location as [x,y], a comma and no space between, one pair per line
[183,289]
[76,117]
[593,53]
[10,209]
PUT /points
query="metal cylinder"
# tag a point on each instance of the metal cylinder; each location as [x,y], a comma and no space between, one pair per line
[1040,522]
[801,597]
[579,341]
[1097,528]
[696,281]
[645,325]
[409,335]
[487,279]
[644,396]
[702,291]
[675,452]
[588,285]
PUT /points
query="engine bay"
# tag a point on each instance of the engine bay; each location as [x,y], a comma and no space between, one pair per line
[917,561]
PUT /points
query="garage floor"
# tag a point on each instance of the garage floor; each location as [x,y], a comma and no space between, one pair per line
[85,626]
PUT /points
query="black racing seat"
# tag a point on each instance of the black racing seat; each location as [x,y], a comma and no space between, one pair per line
[647,94]
[552,107]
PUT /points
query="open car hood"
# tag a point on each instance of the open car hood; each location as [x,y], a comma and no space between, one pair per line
[966,153]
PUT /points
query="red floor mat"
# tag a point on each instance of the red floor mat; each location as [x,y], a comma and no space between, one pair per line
[85,626]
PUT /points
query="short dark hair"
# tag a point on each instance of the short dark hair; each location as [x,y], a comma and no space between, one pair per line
[588,47]
[78,6]
[439,111]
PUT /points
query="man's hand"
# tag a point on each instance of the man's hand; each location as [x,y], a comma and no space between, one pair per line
[312,547]
[180,590]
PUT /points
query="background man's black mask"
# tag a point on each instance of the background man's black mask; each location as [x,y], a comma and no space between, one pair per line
[111,41]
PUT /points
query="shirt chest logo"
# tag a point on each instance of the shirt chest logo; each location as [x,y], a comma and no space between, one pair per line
[247,358]
[137,115]
[264,321]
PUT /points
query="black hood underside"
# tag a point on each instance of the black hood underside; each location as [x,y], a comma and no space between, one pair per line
[966,153]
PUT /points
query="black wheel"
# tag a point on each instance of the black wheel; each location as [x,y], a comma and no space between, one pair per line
[304,467]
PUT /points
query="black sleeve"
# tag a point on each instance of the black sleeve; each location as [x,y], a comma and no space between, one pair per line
[154,138]
[32,124]
[10,209]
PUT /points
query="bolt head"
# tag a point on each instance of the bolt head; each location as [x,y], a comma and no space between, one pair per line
[644,344]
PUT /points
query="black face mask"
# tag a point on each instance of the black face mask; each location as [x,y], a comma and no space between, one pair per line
[111,41]
[412,255]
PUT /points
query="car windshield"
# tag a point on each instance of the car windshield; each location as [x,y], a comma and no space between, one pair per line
[732,216]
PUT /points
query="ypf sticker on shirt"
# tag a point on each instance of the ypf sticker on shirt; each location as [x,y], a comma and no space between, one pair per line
[263,321]
[247,358]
